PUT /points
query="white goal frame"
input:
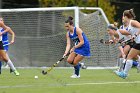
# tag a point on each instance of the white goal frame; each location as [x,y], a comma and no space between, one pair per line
[76,10]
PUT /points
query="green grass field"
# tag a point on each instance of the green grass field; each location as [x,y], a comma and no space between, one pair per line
[59,81]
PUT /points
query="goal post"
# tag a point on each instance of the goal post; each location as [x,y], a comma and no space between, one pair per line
[40,35]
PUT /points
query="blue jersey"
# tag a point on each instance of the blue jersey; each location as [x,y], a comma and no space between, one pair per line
[84,50]
[5,40]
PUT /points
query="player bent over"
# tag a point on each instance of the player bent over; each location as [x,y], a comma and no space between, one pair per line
[79,50]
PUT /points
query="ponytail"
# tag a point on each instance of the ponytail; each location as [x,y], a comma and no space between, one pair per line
[129,13]
[69,20]
[132,13]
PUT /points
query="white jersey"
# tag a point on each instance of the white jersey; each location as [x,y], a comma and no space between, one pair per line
[133,30]
[126,37]
[1,35]
[123,37]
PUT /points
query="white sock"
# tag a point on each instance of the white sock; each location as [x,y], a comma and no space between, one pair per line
[138,60]
[11,65]
[121,64]
[128,66]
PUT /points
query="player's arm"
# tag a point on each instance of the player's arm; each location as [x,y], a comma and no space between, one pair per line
[12,34]
[68,45]
[6,29]
[124,32]
[79,33]
[136,24]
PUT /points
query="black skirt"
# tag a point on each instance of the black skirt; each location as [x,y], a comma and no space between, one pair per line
[1,46]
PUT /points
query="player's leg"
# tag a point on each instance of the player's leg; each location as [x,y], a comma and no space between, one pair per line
[5,59]
[72,59]
[0,66]
[120,62]
[138,65]
[133,53]
[76,64]
[12,67]
[126,50]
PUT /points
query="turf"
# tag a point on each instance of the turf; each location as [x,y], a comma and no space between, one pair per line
[59,81]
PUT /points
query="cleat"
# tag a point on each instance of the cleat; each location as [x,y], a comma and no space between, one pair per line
[121,74]
[16,73]
[75,76]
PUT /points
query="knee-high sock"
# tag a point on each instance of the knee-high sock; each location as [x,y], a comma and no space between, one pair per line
[135,63]
[11,65]
[121,64]
[77,69]
[138,60]
[128,66]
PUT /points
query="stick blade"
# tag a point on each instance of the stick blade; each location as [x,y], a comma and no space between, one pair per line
[101,41]
[44,73]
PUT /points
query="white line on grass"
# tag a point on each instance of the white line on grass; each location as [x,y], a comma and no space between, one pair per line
[72,84]
[16,86]
[102,83]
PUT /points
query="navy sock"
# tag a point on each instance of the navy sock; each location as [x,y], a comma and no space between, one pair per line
[77,69]
[135,63]
[0,66]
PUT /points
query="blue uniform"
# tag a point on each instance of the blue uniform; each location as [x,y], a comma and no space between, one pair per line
[5,40]
[84,50]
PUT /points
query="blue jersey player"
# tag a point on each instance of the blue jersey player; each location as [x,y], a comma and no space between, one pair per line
[6,43]
[79,50]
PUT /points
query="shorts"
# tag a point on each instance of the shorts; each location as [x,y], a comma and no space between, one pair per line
[6,46]
[136,46]
[130,43]
[83,50]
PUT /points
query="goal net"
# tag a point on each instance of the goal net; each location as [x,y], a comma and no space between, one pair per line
[40,36]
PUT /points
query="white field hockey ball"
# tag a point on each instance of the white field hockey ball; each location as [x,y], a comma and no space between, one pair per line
[36,77]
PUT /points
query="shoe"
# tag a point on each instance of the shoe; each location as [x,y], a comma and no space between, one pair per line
[138,68]
[121,74]
[16,73]
[75,76]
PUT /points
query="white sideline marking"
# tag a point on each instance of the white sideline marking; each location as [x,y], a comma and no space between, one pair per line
[17,86]
[74,84]
[103,83]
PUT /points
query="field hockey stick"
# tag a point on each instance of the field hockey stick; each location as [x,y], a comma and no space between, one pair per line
[106,41]
[54,65]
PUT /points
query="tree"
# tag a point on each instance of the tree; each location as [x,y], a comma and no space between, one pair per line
[104,4]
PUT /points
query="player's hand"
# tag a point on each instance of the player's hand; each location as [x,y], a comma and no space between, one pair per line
[111,41]
[12,42]
[72,50]
[64,55]
[134,36]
